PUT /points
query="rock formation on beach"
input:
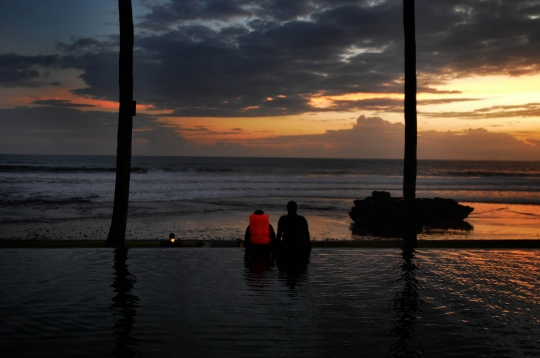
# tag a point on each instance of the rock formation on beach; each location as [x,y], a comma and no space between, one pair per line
[383,215]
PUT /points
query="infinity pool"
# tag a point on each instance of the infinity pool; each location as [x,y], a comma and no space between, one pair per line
[208,303]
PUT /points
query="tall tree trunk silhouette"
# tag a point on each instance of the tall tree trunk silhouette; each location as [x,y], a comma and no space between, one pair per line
[409,172]
[117,231]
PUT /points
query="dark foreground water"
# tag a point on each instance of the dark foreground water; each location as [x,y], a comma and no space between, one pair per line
[207,303]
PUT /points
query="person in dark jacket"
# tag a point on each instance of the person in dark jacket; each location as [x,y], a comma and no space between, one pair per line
[293,235]
[260,238]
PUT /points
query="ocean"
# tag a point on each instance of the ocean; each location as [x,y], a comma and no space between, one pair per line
[52,189]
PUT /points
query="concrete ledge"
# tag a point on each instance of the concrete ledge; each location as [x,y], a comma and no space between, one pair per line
[199,243]
[179,243]
[225,243]
[6,244]
[480,244]
[442,244]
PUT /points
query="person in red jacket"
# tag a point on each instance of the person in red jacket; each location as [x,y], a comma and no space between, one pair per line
[260,237]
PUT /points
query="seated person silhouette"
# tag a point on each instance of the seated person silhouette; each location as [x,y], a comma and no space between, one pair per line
[293,235]
[260,237]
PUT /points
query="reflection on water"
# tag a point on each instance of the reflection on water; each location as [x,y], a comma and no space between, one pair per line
[293,272]
[205,303]
[442,229]
[124,306]
[256,272]
[450,226]
[407,308]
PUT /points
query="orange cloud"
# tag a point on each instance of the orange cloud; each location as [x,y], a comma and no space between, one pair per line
[376,138]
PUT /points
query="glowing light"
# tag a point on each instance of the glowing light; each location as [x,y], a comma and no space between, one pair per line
[489,85]
[321,101]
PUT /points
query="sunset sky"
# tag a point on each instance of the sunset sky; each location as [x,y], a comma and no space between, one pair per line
[318,78]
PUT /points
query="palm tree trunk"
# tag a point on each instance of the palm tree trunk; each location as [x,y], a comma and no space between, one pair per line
[409,173]
[117,231]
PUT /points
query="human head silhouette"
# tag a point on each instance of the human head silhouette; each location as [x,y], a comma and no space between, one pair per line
[292,207]
[258,212]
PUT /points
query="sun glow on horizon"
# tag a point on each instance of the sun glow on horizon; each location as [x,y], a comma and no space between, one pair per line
[450,108]
[462,97]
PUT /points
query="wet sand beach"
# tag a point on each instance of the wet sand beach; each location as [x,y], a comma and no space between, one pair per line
[227,219]
[205,198]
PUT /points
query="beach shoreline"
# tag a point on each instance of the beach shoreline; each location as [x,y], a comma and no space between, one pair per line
[70,197]
[226,219]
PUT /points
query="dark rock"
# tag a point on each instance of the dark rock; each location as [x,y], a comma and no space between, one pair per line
[380,195]
[382,215]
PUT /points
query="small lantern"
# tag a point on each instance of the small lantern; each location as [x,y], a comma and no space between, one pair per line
[172,239]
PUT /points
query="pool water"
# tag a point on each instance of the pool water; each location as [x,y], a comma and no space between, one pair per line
[209,303]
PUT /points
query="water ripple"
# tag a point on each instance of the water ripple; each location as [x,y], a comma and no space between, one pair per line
[208,303]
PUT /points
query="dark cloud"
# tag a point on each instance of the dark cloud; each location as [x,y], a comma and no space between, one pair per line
[426,102]
[195,129]
[164,15]
[377,138]
[100,74]
[66,130]
[524,110]
[385,105]
[22,71]
[60,103]
[368,138]
[369,104]
[475,144]
[224,58]
[285,9]
[56,127]
[80,44]
[56,130]
[161,141]
[205,131]
[465,37]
